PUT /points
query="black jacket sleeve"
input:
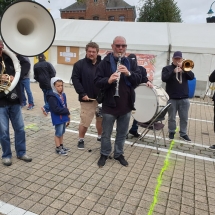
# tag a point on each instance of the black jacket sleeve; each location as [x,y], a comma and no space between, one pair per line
[52,71]
[212,77]
[76,79]
[25,66]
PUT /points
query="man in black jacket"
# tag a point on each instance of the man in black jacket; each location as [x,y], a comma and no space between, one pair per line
[134,128]
[10,110]
[178,95]
[43,72]
[116,108]
[83,80]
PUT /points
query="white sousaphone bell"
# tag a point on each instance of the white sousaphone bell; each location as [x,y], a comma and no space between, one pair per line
[28,29]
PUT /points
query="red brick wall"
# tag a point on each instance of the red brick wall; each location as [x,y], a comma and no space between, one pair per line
[99,9]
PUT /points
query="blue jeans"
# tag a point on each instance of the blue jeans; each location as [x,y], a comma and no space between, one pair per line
[14,114]
[25,83]
[122,123]
[182,107]
[60,129]
[134,126]
[46,106]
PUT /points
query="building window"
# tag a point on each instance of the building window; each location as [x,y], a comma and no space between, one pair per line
[81,17]
[111,18]
[95,18]
[122,18]
[95,1]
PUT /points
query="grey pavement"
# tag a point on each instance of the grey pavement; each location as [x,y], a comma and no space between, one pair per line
[73,184]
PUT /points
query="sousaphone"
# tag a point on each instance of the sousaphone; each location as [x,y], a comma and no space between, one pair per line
[28,29]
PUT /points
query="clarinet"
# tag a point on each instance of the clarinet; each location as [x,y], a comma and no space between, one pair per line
[117,82]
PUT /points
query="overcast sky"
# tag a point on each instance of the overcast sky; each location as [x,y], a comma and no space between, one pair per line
[192,11]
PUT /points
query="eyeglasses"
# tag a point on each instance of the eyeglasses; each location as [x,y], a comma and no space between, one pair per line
[120,45]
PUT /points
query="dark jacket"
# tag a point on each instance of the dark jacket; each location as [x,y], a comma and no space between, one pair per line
[4,101]
[212,79]
[43,72]
[25,66]
[143,74]
[103,73]
[83,78]
[59,114]
[174,89]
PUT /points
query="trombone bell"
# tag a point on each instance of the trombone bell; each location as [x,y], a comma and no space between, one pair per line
[187,65]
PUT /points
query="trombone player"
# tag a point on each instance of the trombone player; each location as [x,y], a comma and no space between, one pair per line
[177,88]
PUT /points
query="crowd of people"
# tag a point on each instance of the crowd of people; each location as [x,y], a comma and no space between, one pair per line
[91,76]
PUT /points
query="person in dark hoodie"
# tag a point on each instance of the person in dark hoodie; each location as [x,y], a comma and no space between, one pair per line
[43,72]
[178,95]
[59,113]
[116,108]
[10,110]
[83,80]
[134,128]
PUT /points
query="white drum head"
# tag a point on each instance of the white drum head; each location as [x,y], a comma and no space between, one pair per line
[146,103]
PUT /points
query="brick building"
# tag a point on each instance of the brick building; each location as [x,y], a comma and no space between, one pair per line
[112,10]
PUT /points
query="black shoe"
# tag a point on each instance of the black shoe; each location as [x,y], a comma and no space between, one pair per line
[212,147]
[122,160]
[171,136]
[134,133]
[99,139]
[102,160]
[185,138]
[80,144]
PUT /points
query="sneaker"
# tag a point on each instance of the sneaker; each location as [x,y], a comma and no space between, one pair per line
[99,139]
[171,136]
[7,161]
[80,144]
[30,107]
[212,147]
[60,151]
[44,111]
[134,133]
[102,160]
[65,149]
[185,138]
[25,158]
[122,160]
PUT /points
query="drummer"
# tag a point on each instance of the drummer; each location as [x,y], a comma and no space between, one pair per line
[134,126]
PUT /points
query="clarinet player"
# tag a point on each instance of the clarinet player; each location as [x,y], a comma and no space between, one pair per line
[118,80]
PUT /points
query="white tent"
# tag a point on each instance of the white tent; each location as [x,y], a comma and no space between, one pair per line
[196,41]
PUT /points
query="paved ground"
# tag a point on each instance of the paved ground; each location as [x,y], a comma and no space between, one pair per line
[73,184]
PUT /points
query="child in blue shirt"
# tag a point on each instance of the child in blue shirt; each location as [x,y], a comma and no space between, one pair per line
[59,113]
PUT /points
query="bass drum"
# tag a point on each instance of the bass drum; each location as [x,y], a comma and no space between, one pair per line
[149,101]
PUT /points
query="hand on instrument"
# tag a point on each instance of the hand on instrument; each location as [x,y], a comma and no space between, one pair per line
[85,98]
[11,78]
[177,69]
[149,84]
[113,77]
[123,69]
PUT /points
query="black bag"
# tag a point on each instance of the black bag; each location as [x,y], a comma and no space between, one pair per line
[100,96]
[12,96]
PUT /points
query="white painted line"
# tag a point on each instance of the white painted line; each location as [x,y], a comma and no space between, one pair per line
[9,209]
[159,137]
[154,148]
[200,120]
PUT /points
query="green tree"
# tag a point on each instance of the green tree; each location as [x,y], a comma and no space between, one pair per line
[4,4]
[159,11]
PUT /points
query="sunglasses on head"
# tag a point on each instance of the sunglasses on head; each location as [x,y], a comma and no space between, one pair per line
[119,45]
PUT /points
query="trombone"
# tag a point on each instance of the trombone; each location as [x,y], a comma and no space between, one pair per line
[187,66]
